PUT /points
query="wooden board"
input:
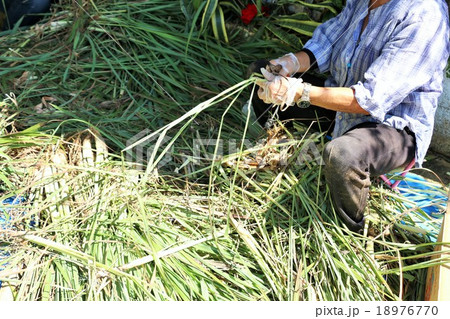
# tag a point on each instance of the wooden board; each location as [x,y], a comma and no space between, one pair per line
[438,277]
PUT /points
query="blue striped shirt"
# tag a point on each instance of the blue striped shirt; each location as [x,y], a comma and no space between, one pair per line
[395,67]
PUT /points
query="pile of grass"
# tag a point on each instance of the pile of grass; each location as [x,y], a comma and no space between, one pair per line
[96,224]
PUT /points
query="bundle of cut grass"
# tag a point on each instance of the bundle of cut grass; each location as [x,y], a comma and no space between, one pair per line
[133,75]
[107,232]
[121,66]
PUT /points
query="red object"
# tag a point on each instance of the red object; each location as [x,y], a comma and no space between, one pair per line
[250,12]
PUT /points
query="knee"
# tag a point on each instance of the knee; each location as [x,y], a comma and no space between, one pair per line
[336,154]
[345,157]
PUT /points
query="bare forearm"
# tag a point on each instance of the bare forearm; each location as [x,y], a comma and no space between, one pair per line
[337,98]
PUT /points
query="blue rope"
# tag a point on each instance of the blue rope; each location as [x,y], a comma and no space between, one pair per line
[430,201]
[5,223]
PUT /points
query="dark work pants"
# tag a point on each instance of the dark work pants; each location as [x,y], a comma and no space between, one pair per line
[368,149]
[14,10]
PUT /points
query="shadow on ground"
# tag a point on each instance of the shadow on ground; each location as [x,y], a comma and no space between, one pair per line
[439,164]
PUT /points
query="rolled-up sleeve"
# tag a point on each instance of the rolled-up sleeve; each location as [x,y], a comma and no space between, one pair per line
[325,36]
[407,62]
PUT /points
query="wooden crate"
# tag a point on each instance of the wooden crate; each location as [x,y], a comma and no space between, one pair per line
[438,277]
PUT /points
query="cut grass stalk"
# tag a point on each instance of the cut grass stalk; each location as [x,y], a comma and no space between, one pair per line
[141,65]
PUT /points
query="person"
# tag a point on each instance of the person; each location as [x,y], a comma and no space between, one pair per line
[385,60]
[28,12]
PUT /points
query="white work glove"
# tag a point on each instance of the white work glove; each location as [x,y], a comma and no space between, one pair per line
[278,90]
[289,62]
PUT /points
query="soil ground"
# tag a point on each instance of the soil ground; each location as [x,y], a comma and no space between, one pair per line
[439,164]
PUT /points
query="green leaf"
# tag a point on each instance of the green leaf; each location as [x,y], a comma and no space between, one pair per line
[290,39]
[33,129]
[218,25]
[231,5]
[303,27]
[326,4]
[5,180]
[210,9]
[196,4]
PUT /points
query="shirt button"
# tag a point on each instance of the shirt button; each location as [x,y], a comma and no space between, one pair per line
[340,117]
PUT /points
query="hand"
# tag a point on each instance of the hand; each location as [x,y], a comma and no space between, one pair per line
[290,64]
[279,90]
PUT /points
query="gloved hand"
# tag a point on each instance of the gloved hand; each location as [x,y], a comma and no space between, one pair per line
[289,62]
[278,90]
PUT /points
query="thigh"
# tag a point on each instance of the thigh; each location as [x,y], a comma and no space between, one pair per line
[377,147]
